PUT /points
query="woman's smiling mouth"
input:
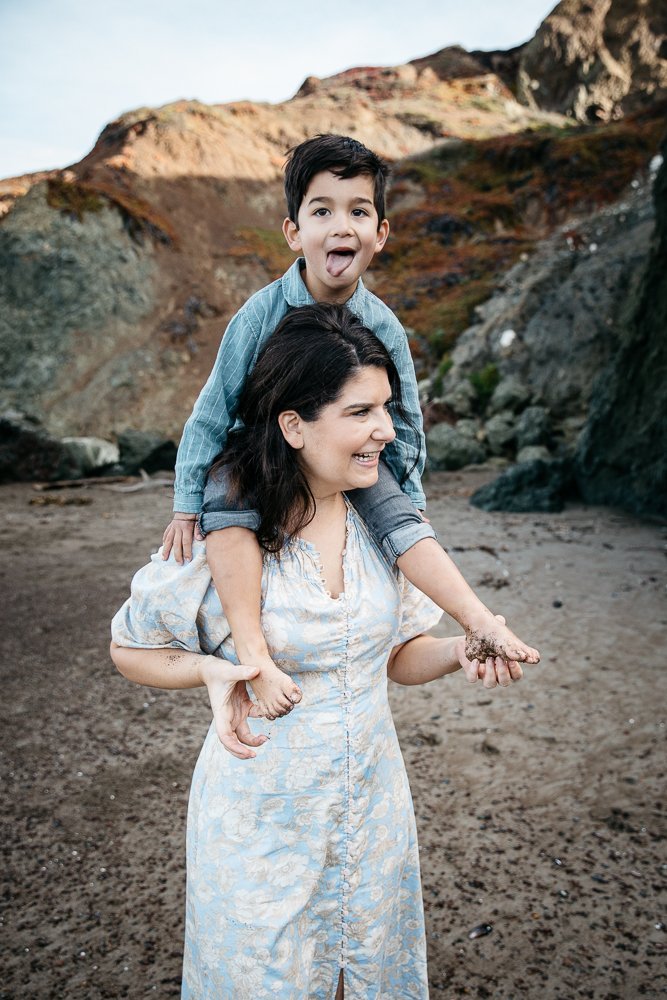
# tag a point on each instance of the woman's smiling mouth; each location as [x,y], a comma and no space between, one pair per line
[367,457]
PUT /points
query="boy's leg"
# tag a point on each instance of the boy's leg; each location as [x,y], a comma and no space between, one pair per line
[235,561]
[390,516]
[410,542]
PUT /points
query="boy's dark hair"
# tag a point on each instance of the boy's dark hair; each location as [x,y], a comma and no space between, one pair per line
[340,154]
[304,366]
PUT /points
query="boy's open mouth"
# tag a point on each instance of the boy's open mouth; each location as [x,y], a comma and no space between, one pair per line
[338,261]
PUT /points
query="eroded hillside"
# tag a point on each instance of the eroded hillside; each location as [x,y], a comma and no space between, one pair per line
[120,273]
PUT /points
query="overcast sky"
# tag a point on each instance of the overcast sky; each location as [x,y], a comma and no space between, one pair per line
[70,66]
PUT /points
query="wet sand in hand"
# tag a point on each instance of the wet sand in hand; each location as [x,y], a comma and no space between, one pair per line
[540,808]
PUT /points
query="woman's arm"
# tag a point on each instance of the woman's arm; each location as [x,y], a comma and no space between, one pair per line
[176,669]
[170,668]
[426,658]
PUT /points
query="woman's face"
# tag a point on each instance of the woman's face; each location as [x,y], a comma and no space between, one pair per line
[340,450]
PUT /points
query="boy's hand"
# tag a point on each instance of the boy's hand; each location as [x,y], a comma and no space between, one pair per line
[178,536]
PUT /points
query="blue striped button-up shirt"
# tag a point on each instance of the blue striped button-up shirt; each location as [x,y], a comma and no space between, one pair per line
[214,412]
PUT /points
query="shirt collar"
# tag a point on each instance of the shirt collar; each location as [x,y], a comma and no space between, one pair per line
[296,293]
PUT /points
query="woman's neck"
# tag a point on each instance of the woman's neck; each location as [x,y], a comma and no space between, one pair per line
[326,532]
[329,510]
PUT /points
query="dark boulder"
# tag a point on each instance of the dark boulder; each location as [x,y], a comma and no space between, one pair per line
[145,450]
[500,432]
[533,427]
[530,486]
[450,448]
[29,454]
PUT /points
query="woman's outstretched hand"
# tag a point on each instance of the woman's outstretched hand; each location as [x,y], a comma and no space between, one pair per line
[231,705]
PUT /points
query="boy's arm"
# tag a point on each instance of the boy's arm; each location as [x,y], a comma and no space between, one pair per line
[206,429]
[214,412]
[409,447]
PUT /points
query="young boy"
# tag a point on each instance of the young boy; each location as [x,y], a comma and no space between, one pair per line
[335,189]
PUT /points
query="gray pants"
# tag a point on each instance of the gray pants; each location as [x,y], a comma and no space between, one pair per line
[390,516]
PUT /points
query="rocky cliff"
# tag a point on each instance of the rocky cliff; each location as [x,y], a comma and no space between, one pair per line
[596,59]
[622,456]
[593,60]
[118,274]
[614,452]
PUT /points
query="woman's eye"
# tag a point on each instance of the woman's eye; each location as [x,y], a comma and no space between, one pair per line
[361,413]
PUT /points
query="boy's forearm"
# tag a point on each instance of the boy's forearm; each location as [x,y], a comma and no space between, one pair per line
[424,659]
[235,560]
[191,471]
[428,566]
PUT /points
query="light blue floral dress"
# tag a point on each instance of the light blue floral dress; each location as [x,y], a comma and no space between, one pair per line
[303,860]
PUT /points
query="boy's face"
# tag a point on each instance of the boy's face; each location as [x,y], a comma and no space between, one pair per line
[338,234]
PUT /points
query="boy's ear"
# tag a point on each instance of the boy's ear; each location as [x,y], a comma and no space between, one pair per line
[383,233]
[292,235]
[290,424]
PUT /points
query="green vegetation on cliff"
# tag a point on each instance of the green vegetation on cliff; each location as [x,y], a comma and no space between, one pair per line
[466,211]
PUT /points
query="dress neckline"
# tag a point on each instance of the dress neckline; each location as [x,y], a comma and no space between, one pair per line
[301,543]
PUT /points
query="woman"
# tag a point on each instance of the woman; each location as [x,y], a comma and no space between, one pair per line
[303,870]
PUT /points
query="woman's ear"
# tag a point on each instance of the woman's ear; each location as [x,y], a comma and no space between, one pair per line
[290,424]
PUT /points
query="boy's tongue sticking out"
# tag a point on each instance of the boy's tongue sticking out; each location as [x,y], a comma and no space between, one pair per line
[338,261]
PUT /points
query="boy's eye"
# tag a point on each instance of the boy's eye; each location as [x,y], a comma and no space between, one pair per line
[359,212]
[321,212]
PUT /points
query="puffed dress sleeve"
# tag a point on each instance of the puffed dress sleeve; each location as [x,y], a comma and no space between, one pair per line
[172,605]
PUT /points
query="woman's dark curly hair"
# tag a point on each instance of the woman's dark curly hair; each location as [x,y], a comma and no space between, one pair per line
[303,367]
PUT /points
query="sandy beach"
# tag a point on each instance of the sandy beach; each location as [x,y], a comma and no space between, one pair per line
[540,808]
